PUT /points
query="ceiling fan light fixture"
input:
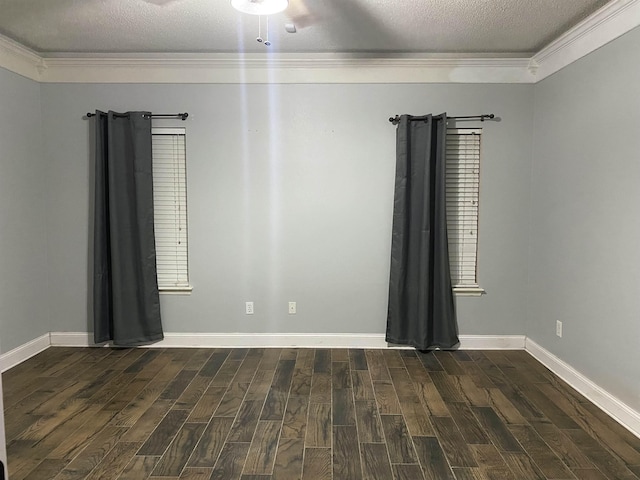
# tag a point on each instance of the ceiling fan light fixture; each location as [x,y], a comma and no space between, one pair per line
[260,7]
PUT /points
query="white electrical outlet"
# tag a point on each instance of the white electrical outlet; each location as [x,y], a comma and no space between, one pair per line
[292,308]
[559,328]
[248,308]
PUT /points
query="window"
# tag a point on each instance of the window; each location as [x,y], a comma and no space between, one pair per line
[170,208]
[463,181]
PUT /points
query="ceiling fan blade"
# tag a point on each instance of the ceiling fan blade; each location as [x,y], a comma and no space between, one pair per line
[300,14]
[160,2]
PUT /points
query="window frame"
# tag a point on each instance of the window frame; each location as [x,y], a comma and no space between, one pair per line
[180,194]
[469,288]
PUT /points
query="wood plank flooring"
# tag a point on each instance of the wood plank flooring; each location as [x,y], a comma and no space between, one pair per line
[304,414]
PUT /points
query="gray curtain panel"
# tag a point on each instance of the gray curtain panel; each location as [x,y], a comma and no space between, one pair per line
[421,306]
[126,304]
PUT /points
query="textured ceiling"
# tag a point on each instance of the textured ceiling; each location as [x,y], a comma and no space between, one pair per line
[354,26]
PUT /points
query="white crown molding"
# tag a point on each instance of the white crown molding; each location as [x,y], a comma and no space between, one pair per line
[24,352]
[19,59]
[608,23]
[275,69]
[614,407]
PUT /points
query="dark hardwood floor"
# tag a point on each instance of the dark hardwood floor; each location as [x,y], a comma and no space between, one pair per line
[283,414]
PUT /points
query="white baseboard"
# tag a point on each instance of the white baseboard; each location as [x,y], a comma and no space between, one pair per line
[492,342]
[299,340]
[615,408]
[23,352]
[71,339]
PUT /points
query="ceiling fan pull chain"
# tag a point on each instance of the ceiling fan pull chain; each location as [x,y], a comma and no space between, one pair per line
[259,39]
[267,42]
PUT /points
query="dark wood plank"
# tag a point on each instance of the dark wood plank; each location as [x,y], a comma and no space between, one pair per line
[211,442]
[321,388]
[562,446]
[589,474]
[46,469]
[358,359]
[450,365]
[454,445]
[317,464]
[179,451]
[322,362]
[523,467]
[339,355]
[430,361]
[207,405]
[407,472]
[550,464]
[213,364]
[591,424]
[260,385]
[295,417]
[432,459]
[471,430]
[548,407]
[147,423]
[230,462]
[431,399]
[392,358]
[161,437]
[343,407]
[346,455]
[416,370]
[402,382]
[115,461]
[368,422]
[319,425]
[362,385]
[246,421]
[377,366]
[340,375]
[139,467]
[447,387]
[398,439]
[301,381]
[288,464]
[600,456]
[103,413]
[386,399]
[468,473]
[416,417]
[505,409]
[193,393]
[195,474]
[487,456]
[262,452]
[232,400]
[375,461]
[94,453]
[496,429]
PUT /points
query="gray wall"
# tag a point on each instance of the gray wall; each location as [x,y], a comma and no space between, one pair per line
[290,198]
[23,252]
[585,229]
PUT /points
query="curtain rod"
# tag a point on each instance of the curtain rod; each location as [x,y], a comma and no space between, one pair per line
[395,120]
[182,116]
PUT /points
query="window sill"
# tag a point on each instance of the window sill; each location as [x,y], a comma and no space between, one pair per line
[176,290]
[468,291]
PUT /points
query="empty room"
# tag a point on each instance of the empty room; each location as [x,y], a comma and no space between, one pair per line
[320,239]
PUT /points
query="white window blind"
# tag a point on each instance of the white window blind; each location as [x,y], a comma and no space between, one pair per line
[463,183]
[170,207]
